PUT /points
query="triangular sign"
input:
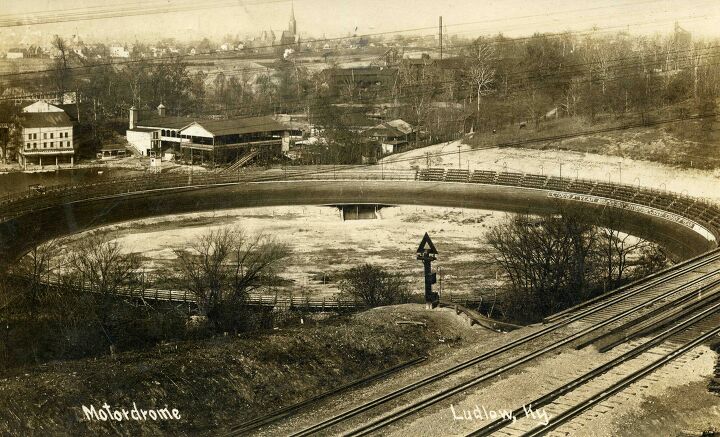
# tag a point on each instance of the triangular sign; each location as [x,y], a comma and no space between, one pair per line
[427,244]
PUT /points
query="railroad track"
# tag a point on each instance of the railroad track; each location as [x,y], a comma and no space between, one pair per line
[676,283]
[282,413]
[568,401]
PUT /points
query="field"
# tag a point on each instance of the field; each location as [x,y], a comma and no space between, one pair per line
[323,245]
[22,65]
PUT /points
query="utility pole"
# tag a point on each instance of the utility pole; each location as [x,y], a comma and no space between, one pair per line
[440,35]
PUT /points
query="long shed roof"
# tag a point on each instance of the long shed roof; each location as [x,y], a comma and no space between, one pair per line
[239,126]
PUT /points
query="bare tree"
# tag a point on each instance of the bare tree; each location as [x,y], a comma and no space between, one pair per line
[61,70]
[572,96]
[222,266]
[615,247]
[203,270]
[15,139]
[104,269]
[34,269]
[545,260]
[481,73]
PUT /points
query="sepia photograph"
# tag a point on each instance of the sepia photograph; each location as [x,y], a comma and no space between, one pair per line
[360,217]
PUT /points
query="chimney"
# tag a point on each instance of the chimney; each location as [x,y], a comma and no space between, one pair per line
[133,117]
[161,110]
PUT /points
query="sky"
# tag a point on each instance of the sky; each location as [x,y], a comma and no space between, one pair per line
[332,18]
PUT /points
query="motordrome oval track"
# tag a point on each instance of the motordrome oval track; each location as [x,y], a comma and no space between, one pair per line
[31,228]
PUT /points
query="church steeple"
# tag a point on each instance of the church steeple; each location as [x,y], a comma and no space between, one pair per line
[292,26]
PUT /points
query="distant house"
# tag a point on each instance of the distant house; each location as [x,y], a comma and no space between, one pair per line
[151,132]
[361,79]
[47,134]
[394,136]
[119,52]
[15,54]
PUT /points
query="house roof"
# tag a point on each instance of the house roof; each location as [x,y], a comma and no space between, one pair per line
[384,131]
[239,126]
[390,129]
[401,125]
[164,122]
[357,119]
[45,119]
[41,106]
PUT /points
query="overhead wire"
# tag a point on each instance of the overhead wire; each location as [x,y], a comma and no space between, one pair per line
[271,46]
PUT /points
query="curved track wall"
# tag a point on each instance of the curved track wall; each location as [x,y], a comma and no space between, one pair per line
[28,229]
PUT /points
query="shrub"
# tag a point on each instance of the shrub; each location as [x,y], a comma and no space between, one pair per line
[374,285]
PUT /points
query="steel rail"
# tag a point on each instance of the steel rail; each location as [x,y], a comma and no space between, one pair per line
[645,329]
[618,290]
[282,413]
[594,373]
[497,351]
[633,323]
[621,385]
[446,393]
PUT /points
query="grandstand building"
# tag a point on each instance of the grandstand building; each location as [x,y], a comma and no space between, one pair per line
[204,141]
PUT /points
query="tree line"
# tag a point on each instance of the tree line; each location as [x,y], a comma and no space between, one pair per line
[553,262]
[485,84]
[69,299]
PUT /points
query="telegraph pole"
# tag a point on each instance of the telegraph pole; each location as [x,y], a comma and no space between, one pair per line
[440,34]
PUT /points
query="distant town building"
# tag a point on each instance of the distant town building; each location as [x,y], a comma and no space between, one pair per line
[361,79]
[47,134]
[15,54]
[119,52]
[681,36]
[290,38]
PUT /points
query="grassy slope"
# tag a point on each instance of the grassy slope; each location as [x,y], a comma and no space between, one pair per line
[686,144]
[214,383]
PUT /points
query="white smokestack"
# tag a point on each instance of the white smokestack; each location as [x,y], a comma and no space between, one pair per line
[133,117]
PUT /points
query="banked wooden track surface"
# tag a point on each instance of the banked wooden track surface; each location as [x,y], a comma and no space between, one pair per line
[685,226]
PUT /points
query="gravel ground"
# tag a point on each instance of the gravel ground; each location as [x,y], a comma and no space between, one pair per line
[672,400]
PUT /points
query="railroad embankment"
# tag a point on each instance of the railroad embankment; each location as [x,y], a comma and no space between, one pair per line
[219,382]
